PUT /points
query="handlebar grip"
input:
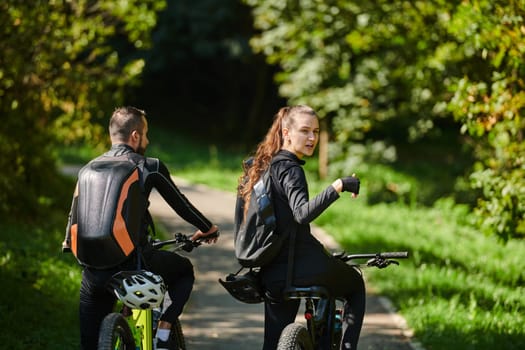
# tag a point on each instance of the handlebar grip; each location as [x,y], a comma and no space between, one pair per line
[394,255]
[66,246]
[210,236]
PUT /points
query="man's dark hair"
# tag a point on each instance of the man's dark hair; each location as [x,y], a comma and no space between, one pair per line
[123,121]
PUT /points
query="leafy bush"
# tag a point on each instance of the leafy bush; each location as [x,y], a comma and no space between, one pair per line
[40,306]
[54,88]
[426,67]
[489,100]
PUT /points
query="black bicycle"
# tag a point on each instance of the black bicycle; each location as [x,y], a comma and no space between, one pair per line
[134,326]
[323,328]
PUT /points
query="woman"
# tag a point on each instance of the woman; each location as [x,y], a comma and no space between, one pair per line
[293,135]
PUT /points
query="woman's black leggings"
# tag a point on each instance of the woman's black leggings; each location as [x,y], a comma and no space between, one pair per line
[96,301]
[341,280]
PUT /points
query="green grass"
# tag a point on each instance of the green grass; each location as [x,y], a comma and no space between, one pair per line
[39,299]
[204,164]
[458,290]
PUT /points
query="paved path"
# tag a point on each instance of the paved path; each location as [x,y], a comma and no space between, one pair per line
[214,320]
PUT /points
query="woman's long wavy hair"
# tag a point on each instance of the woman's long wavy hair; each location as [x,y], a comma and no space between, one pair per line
[270,145]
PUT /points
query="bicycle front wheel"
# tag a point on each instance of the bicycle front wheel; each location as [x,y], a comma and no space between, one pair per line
[115,334]
[176,336]
[295,337]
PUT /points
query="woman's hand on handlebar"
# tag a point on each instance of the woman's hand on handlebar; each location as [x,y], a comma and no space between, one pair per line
[199,234]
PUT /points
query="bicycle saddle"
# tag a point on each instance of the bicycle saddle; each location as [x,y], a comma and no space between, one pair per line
[315,292]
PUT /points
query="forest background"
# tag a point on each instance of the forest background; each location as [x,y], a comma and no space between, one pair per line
[425,98]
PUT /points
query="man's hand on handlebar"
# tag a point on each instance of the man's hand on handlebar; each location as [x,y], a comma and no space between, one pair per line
[213,232]
[66,247]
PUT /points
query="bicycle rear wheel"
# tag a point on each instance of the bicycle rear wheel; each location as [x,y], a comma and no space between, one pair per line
[115,334]
[295,337]
[176,336]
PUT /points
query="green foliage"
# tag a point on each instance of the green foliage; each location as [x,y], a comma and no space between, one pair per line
[332,60]
[59,75]
[393,73]
[39,303]
[380,89]
[491,109]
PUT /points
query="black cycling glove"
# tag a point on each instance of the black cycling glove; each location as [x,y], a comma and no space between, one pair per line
[351,184]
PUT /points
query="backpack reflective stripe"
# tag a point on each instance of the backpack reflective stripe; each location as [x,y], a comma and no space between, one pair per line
[264,202]
[120,231]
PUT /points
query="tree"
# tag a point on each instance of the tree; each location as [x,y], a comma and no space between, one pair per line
[60,75]
[369,68]
[387,74]
[491,107]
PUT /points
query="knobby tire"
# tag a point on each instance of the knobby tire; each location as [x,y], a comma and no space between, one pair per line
[114,328]
[295,337]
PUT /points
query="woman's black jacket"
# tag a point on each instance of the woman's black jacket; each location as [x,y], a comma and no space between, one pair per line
[294,211]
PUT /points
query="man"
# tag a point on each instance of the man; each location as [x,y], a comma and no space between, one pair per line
[128,130]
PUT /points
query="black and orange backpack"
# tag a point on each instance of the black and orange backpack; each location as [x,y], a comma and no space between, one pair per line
[108,215]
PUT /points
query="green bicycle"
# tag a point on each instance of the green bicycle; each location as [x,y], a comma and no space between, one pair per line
[134,326]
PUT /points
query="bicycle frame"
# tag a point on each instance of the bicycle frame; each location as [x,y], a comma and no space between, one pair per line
[141,325]
[321,308]
[140,321]
[322,325]
[320,311]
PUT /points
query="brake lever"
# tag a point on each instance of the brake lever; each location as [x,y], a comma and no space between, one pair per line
[380,262]
[189,245]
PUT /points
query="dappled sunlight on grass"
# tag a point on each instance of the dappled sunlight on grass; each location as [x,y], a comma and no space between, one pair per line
[43,290]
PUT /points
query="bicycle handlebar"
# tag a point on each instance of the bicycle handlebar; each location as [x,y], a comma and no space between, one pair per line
[184,242]
[386,255]
[379,260]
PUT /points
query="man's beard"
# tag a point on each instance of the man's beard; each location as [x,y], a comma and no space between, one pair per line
[141,150]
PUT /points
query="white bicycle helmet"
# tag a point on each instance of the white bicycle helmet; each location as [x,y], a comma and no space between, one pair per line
[138,289]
